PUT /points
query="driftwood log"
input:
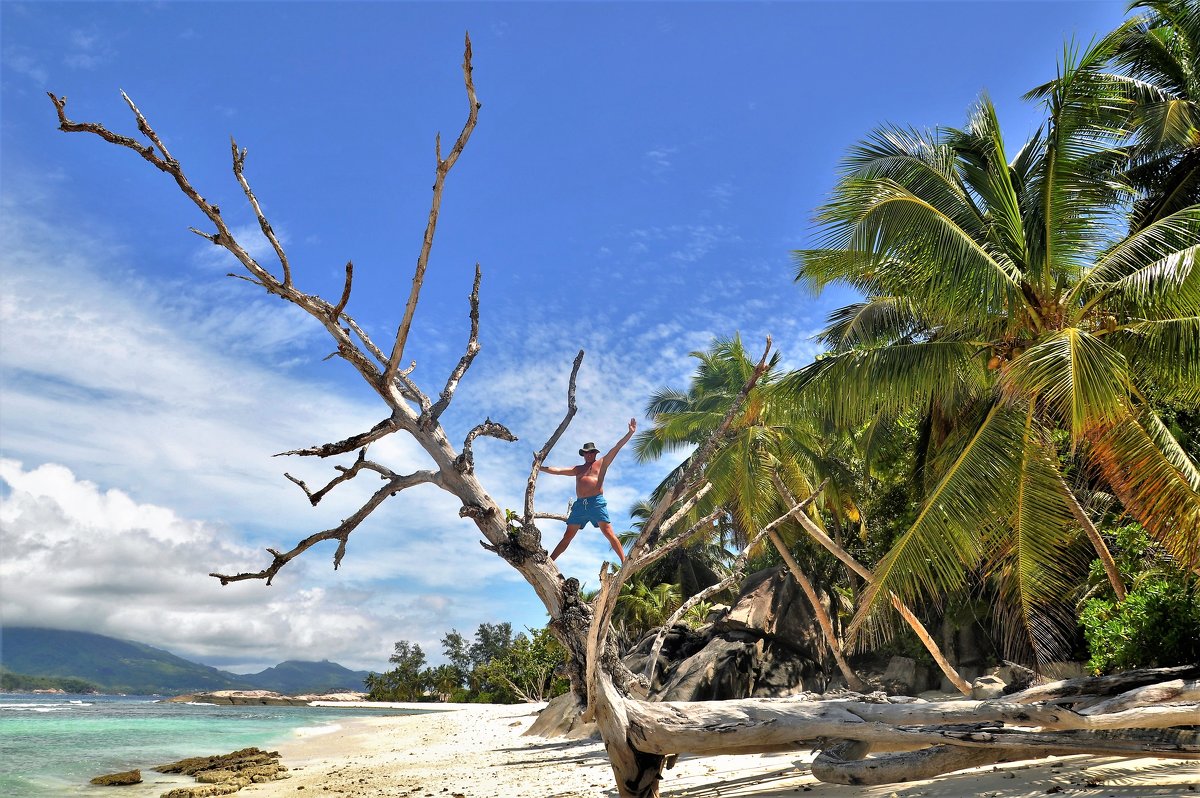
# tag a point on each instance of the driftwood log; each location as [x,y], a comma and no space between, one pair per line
[1084,716]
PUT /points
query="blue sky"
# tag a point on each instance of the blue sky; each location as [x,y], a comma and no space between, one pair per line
[638,177]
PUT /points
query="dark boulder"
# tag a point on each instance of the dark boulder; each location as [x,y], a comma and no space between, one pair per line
[119,779]
[766,644]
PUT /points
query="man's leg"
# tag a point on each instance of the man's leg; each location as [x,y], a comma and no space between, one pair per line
[613,540]
[566,541]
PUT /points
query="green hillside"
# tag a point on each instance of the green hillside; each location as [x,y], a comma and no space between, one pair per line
[295,677]
[118,666]
[31,656]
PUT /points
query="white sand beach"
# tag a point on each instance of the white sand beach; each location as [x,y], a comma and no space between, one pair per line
[477,751]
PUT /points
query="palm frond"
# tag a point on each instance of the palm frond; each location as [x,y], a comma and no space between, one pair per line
[878,320]
[1036,561]
[1082,380]
[933,556]
[853,387]
[1154,479]
[1145,266]
[1164,353]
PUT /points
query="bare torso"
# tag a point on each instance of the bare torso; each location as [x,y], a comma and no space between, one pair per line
[589,479]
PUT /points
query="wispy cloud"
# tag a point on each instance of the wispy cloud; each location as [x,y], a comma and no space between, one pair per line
[87,49]
[167,407]
[23,61]
[721,193]
[701,239]
[77,556]
[659,160]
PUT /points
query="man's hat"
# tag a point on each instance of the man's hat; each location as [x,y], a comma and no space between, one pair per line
[588,447]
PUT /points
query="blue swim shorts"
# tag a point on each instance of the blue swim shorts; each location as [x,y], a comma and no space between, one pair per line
[589,510]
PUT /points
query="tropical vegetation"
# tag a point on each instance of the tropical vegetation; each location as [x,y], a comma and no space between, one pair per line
[496,668]
[1022,374]
[1003,432]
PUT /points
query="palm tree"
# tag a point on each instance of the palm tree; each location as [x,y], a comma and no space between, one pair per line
[1012,306]
[699,563]
[767,443]
[641,606]
[767,438]
[1149,86]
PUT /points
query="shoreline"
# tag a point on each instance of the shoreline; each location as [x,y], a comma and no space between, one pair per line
[477,751]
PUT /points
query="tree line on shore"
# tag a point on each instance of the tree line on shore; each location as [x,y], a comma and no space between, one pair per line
[497,667]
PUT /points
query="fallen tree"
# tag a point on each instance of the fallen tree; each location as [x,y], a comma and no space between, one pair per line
[641,736]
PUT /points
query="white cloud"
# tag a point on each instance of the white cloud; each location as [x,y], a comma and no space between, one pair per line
[22,61]
[177,402]
[659,160]
[79,557]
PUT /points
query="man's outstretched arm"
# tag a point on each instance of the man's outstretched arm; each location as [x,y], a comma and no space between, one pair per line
[612,454]
[558,470]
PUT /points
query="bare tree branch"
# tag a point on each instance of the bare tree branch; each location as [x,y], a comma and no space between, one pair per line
[239,165]
[66,125]
[541,454]
[340,533]
[464,362]
[346,474]
[383,428]
[490,429]
[250,280]
[341,305]
[666,547]
[645,541]
[314,306]
[443,169]
[148,131]
[375,351]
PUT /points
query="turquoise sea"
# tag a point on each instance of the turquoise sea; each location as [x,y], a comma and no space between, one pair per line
[51,745]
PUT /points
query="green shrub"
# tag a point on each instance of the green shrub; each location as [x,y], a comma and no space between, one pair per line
[1157,625]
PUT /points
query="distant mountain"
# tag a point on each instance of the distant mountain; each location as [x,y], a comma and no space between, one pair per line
[119,666]
[294,678]
[125,666]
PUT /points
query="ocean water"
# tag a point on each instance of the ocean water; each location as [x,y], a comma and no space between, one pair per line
[52,745]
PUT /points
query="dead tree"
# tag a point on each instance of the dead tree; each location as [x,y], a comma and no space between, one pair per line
[641,736]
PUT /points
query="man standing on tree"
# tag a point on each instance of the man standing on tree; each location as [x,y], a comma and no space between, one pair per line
[589,506]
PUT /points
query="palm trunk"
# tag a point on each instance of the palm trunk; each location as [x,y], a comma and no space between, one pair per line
[1110,565]
[852,680]
[914,623]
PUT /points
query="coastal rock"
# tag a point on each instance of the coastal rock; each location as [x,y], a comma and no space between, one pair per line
[904,676]
[242,698]
[772,605]
[986,687]
[226,773]
[119,779]
[561,718]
